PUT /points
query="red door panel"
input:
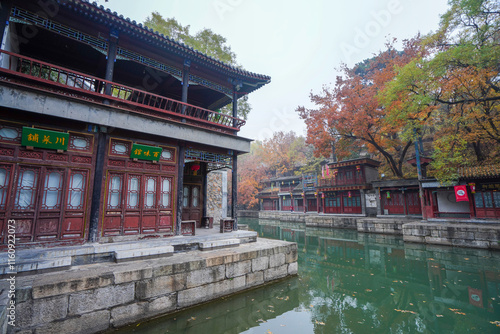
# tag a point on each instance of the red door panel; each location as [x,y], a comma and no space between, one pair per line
[165,224]
[148,224]
[72,228]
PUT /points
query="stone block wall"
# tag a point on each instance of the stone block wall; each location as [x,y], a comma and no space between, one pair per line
[102,296]
[331,222]
[217,195]
[381,225]
[453,234]
[283,216]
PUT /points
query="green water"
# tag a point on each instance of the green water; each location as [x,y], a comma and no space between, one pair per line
[353,282]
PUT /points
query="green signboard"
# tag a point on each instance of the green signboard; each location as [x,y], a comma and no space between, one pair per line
[145,152]
[45,139]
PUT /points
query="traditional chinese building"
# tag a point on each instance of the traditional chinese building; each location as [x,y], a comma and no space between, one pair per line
[268,196]
[483,188]
[309,193]
[290,193]
[343,188]
[107,128]
[398,197]
[480,197]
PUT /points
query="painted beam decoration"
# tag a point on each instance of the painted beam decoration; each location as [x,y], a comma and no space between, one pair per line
[45,139]
[145,152]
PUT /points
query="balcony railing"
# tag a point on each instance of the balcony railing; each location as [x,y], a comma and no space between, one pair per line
[334,182]
[26,71]
[287,188]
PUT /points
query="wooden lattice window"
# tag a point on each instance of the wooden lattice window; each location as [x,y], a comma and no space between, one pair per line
[166,191]
[4,185]
[10,134]
[196,197]
[150,192]
[185,197]
[52,190]
[76,190]
[80,143]
[26,188]
[115,191]
[120,148]
[133,191]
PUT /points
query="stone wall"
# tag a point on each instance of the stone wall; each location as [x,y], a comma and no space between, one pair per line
[332,222]
[453,234]
[283,216]
[102,296]
[217,195]
[381,225]
[248,214]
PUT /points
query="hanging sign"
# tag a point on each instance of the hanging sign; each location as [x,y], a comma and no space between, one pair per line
[461,193]
[44,139]
[145,152]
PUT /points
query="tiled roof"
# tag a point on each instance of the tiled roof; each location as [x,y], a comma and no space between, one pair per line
[95,9]
[490,171]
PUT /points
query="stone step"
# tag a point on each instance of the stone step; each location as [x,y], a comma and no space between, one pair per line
[208,245]
[142,253]
[36,265]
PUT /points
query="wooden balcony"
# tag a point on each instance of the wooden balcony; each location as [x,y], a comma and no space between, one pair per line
[42,76]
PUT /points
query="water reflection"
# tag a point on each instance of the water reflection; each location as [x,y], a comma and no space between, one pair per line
[353,282]
[358,282]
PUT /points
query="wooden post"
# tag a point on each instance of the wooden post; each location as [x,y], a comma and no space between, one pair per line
[98,184]
[180,188]
[185,84]
[234,180]
[110,63]
[5,8]
[234,190]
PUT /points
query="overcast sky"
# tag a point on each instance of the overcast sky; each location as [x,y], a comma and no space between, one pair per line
[300,44]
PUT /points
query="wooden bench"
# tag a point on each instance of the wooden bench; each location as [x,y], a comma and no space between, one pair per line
[188,227]
[226,225]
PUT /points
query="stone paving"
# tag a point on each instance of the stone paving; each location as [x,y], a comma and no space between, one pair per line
[39,260]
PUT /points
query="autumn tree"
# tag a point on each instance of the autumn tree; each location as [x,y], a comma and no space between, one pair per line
[284,153]
[251,172]
[205,41]
[459,77]
[349,117]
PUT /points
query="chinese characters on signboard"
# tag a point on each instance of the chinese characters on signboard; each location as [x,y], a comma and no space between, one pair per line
[44,139]
[145,152]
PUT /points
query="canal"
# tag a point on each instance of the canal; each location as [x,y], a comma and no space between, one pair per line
[353,282]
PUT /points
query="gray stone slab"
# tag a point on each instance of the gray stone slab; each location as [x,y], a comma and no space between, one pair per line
[141,253]
[207,245]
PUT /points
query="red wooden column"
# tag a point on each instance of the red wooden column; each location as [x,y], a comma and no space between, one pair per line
[323,201]
[182,151]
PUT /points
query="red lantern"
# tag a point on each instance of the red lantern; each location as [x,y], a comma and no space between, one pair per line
[358,168]
[195,169]
[472,187]
[349,194]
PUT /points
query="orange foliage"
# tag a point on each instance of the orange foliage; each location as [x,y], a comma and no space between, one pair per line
[350,116]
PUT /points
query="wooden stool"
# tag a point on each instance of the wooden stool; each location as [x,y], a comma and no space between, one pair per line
[226,225]
[188,227]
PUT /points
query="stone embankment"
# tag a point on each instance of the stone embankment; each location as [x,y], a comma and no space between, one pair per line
[98,297]
[460,233]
